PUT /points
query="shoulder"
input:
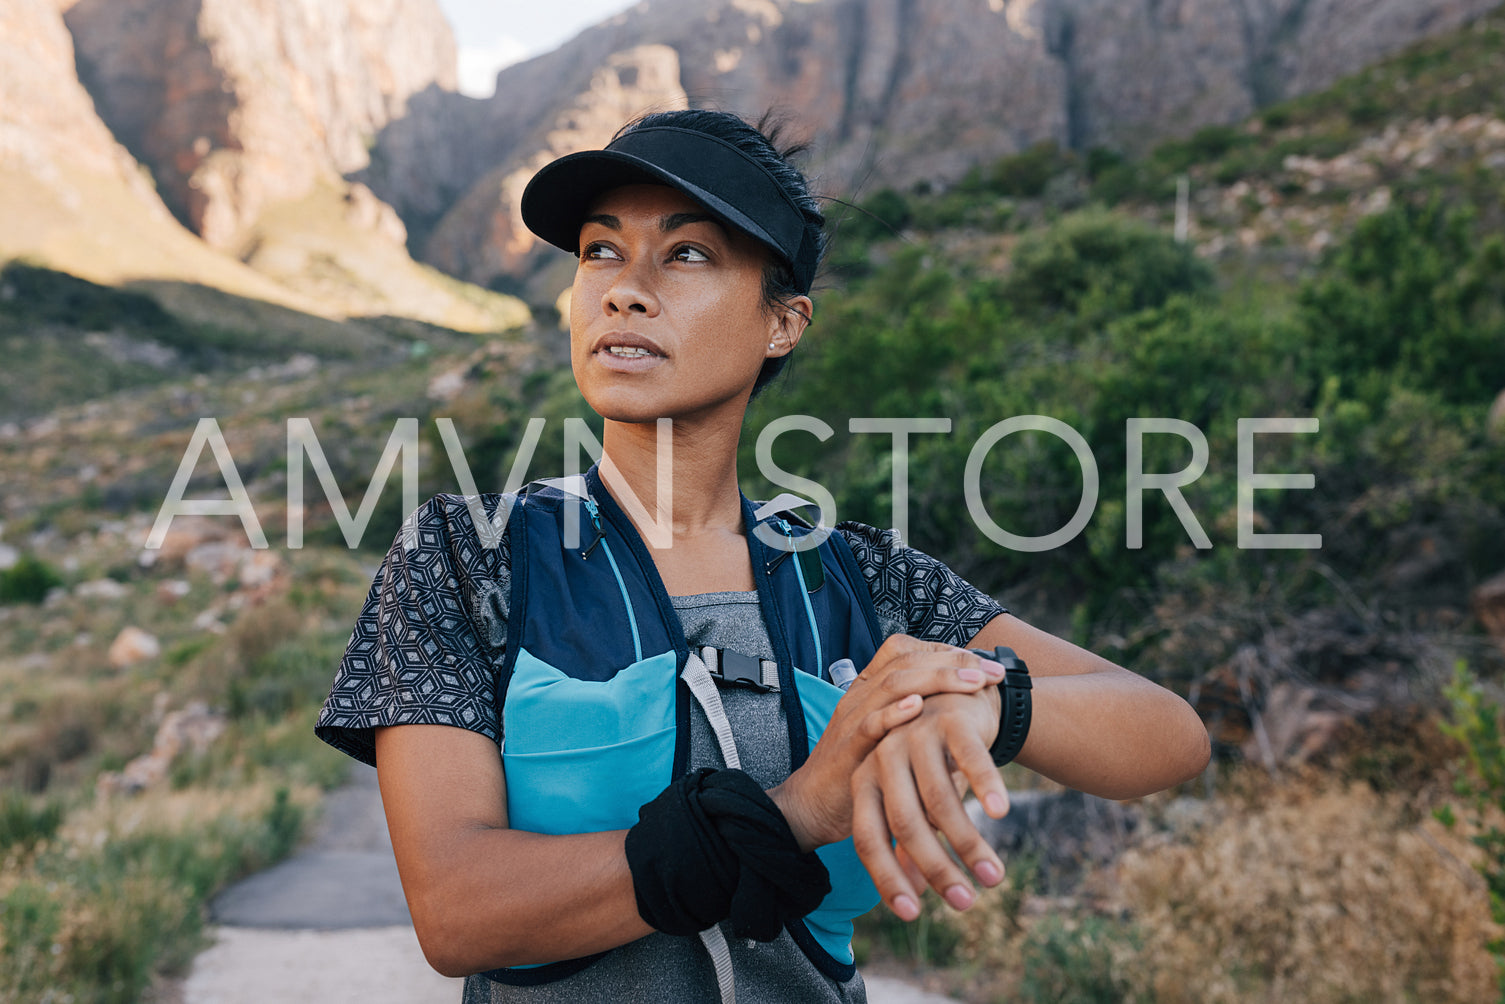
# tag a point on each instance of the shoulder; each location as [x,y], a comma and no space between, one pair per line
[915,592]
[868,543]
[467,526]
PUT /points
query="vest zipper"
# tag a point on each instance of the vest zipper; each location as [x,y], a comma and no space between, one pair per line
[632,620]
[799,571]
[595,514]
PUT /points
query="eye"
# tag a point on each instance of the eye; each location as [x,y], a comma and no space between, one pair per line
[689,252]
[598,251]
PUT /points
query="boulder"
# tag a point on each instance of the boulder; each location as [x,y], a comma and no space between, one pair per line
[1064,831]
[101,589]
[193,729]
[133,645]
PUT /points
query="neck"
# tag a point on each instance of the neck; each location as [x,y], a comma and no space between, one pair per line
[688,492]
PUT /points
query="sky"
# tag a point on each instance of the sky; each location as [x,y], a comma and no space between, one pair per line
[495,33]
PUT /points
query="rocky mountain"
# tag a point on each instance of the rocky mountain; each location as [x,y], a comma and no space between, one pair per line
[204,143]
[321,142]
[68,191]
[482,236]
[235,106]
[894,91]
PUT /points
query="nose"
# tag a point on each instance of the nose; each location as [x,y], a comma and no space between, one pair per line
[631,291]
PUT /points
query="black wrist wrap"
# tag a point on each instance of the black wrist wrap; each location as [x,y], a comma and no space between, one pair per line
[713,845]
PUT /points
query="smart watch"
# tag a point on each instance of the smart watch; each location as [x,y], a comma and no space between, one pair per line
[1014,692]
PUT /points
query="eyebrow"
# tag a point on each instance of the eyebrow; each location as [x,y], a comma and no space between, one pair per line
[666,224]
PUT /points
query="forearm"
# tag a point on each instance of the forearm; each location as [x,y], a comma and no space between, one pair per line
[498,897]
[482,895]
[1095,726]
[1112,734]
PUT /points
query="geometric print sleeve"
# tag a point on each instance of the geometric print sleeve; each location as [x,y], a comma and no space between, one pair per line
[914,593]
[430,636]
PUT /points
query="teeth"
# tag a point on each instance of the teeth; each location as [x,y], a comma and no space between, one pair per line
[628,352]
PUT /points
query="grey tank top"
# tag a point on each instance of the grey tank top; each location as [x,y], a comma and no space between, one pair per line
[663,968]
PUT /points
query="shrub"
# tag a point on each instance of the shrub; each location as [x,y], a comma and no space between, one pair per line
[28,581]
[1475,722]
[1026,174]
[93,923]
[1312,895]
[23,824]
[1096,264]
[1076,961]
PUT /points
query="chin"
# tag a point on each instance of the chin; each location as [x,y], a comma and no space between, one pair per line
[627,407]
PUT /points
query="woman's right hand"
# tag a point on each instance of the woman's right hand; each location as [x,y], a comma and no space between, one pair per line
[816,799]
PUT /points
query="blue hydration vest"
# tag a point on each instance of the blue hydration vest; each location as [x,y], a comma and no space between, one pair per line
[595,719]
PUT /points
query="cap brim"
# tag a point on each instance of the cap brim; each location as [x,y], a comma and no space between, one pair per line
[556,201]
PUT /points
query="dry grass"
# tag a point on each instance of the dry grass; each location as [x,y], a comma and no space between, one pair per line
[1319,895]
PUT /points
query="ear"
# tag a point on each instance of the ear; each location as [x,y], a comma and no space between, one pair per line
[787,325]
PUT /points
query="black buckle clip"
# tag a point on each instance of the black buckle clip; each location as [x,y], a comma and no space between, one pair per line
[740,670]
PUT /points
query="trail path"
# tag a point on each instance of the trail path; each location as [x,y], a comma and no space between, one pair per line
[330,924]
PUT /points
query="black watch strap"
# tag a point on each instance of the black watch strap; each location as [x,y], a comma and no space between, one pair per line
[1014,694]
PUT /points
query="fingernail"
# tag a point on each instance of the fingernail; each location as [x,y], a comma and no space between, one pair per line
[970,675]
[959,896]
[906,907]
[988,873]
[993,669]
[995,805]
[911,701]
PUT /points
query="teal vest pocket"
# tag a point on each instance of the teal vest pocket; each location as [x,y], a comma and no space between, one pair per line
[852,890]
[581,756]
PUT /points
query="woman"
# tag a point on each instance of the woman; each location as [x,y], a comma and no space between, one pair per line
[537,710]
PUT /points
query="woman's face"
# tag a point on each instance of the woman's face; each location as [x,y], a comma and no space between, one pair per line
[666,315]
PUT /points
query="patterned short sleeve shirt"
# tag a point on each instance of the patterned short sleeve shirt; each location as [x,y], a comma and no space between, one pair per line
[431,634]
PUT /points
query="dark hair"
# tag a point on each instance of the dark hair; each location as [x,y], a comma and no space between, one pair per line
[761,143]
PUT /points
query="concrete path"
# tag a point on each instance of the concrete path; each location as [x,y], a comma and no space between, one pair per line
[330,924]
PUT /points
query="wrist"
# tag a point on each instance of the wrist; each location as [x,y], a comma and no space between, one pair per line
[789,801]
[1014,692]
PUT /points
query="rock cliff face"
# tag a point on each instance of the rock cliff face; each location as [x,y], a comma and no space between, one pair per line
[483,236]
[47,120]
[70,195]
[243,108]
[238,104]
[895,91]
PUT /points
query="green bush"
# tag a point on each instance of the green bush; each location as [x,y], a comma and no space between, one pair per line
[1096,265]
[97,923]
[28,581]
[24,824]
[1474,721]
[1026,174]
[1413,298]
[1076,962]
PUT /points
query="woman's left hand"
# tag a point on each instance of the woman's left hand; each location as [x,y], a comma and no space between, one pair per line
[911,785]
[885,695]
[1095,727]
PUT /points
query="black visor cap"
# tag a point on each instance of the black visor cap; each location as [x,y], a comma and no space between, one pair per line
[727,182]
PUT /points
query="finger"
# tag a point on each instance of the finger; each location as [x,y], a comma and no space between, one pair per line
[925,674]
[872,840]
[945,810]
[974,761]
[877,724]
[905,812]
[912,652]
[937,677]
[911,870]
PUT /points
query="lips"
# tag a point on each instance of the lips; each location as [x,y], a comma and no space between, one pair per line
[626,345]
